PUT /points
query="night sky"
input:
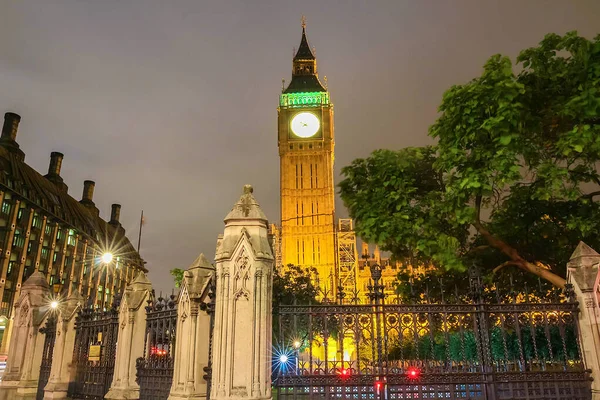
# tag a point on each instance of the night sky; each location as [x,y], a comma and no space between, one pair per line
[171,106]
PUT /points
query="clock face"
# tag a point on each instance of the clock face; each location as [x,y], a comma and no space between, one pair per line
[305,124]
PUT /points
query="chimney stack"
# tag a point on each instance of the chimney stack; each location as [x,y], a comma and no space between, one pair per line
[56,159]
[115,214]
[53,174]
[11,126]
[87,198]
[9,134]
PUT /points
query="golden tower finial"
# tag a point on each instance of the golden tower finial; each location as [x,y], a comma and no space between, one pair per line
[303,21]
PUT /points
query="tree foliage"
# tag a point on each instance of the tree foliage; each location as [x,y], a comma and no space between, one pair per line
[177,274]
[512,180]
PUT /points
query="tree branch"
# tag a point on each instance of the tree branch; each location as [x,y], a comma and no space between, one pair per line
[506,264]
[478,208]
[516,258]
[591,195]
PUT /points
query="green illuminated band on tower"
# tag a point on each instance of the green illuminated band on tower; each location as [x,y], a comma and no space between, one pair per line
[304,99]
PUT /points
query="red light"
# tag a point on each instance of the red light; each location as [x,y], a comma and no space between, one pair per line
[344,372]
[413,373]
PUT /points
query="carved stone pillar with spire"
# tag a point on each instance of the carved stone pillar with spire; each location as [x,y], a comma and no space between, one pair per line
[193,333]
[582,273]
[25,355]
[132,329]
[241,361]
[64,344]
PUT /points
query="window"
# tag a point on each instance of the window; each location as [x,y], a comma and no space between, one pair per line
[58,234]
[48,229]
[37,221]
[5,207]
[18,240]
[71,238]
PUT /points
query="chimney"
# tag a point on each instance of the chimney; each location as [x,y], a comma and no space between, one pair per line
[115,213]
[9,134]
[11,126]
[53,174]
[56,159]
[87,198]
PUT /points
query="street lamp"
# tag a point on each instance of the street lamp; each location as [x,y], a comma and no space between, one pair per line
[107,258]
[54,304]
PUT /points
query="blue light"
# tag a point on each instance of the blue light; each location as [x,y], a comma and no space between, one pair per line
[284,359]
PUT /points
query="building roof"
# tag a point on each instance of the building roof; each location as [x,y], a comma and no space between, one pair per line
[304,52]
[18,177]
[304,82]
[246,207]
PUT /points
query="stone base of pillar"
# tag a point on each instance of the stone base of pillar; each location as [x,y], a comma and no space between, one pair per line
[26,390]
[123,394]
[241,397]
[187,397]
[56,391]
[8,390]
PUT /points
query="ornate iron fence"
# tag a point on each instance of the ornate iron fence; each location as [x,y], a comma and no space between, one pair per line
[461,350]
[94,353]
[49,331]
[155,369]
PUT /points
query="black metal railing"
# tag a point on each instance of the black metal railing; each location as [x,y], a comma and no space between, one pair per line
[49,331]
[95,352]
[155,369]
[513,348]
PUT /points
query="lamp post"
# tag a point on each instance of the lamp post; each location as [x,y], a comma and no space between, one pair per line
[106,259]
[377,296]
[297,345]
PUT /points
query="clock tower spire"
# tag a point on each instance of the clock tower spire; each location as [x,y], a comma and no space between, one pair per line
[306,151]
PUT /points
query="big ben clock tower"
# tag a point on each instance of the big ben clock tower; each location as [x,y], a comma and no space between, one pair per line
[306,143]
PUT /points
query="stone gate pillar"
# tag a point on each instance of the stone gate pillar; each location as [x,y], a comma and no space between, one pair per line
[193,333]
[130,340]
[26,343]
[64,344]
[241,356]
[582,272]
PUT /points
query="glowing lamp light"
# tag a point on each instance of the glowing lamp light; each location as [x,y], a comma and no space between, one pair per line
[54,304]
[297,344]
[283,358]
[107,258]
[413,373]
[378,386]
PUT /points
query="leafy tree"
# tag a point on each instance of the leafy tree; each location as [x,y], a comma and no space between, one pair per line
[294,285]
[177,274]
[512,180]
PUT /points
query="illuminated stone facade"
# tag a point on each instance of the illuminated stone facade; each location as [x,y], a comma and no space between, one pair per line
[43,228]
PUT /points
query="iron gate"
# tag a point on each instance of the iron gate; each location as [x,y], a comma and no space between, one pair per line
[469,349]
[49,331]
[95,352]
[155,369]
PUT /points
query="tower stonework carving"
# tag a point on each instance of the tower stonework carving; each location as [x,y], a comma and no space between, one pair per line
[306,151]
[241,367]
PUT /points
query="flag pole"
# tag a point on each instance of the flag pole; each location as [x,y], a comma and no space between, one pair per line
[140,235]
